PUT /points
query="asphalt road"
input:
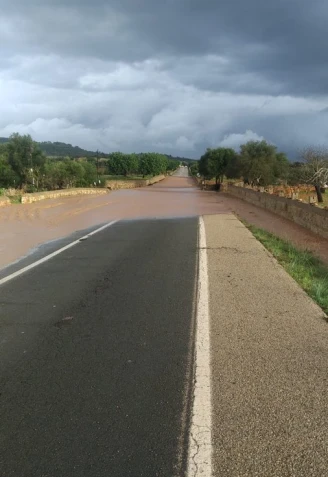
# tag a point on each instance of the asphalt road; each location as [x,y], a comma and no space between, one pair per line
[170,348]
[96,356]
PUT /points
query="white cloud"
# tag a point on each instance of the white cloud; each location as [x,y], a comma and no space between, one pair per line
[185,144]
[235,140]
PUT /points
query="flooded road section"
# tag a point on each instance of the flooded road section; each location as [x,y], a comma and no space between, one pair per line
[25,226]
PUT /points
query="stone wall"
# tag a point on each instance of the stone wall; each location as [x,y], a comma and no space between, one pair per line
[110,185]
[54,194]
[4,201]
[155,179]
[308,216]
[133,184]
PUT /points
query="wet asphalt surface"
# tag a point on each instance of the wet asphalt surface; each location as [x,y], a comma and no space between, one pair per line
[97,353]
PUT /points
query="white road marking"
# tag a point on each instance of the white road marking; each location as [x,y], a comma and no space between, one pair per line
[200,439]
[51,255]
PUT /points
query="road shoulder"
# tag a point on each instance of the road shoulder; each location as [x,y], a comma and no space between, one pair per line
[268,354]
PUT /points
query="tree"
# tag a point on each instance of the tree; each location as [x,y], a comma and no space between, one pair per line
[89,174]
[233,169]
[260,163]
[8,178]
[172,165]
[215,162]
[25,158]
[203,168]
[132,164]
[55,175]
[295,173]
[152,163]
[74,173]
[281,166]
[67,173]
[315,169]
[115,162]
[193,169]
[123,164]
[218,161]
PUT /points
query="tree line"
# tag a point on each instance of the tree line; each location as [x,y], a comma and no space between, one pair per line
[25,166]
[61,149]
[260,164]
[144,164]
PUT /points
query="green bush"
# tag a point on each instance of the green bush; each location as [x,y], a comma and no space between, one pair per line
[15,199]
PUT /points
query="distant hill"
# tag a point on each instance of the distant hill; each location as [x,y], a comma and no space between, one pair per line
[60,149]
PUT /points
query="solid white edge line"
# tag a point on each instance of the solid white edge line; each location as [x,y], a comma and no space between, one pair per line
[200,437]
[53,254]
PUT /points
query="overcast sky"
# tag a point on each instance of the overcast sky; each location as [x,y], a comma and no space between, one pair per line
[172,76]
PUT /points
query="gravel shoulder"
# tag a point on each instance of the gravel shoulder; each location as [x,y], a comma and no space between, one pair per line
[269,361]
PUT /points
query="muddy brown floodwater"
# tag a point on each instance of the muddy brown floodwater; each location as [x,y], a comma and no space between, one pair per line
[25,226]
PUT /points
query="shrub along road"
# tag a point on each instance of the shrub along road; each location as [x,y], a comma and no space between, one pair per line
[98,365]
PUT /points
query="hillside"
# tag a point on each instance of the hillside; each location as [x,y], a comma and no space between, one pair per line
[60,149]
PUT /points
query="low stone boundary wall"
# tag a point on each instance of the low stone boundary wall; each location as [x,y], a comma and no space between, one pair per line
[156,179]
[308,216]
[4,201]
[54,194]
[133,184]
[110,185]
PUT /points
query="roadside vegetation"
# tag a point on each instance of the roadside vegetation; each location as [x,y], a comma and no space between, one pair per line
[306,269]
[24,167]
[140,165]
[260,164]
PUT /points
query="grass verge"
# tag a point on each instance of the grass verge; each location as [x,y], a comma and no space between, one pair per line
[306,269]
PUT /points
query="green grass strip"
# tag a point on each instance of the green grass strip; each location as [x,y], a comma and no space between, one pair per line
[306,269]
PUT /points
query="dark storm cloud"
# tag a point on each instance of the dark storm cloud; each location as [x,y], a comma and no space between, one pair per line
[282,41]
[176,74]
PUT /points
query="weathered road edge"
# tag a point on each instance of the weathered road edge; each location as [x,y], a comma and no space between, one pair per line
[200,442]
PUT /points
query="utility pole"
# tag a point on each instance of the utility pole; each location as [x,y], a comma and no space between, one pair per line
[31,163]
[97,166]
